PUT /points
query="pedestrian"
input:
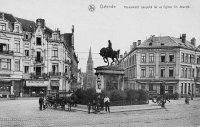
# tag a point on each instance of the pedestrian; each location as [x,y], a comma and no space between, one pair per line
[41,101]
[186,99]
[107,104]
[89,107]
[45,103]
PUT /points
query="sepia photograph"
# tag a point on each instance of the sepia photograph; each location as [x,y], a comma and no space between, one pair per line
[99,63]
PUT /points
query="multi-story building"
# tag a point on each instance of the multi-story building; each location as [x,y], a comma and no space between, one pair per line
[163,60]
[11,55]
[41,60]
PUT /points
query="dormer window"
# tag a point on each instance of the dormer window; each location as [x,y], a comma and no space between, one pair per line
[2,26]
[38,41]
[150,44]
[26,36]
[17,29]
[162,44]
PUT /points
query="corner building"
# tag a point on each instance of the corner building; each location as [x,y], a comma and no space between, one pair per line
[36,58]
[169,60]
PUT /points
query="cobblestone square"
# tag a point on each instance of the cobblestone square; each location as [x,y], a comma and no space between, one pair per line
[26,113]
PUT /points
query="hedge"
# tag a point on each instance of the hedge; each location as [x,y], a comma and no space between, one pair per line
[128,96]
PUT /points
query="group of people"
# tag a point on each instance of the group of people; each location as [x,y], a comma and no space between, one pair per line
[42,103]
[99,104]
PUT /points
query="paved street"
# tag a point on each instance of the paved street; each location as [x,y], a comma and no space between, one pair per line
[25,113]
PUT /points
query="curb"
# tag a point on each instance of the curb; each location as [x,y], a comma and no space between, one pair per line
[124,110]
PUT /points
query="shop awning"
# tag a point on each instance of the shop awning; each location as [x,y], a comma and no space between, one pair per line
[32,83]
[55,83]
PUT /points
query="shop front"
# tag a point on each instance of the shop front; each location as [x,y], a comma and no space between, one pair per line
[5,88]
[55,84]
[36,88]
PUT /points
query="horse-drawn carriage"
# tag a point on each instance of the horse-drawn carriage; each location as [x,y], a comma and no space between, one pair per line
[60,99]
[158,98]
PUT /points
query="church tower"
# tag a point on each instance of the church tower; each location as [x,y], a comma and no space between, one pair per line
[90,72]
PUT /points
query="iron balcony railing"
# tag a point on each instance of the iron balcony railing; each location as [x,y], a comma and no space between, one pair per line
[38,75]
[39,59]
[7,52]
[54,73]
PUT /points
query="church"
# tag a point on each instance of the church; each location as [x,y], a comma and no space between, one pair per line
[89,76]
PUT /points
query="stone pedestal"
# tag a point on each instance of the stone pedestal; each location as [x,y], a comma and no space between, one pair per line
[109,78]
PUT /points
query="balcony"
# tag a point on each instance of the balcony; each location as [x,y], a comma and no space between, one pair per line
[54,73]
[6,52]
[39,59]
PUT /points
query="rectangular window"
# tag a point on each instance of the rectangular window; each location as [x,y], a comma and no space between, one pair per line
[5,64]
[4,47]
[26,52]
[150,87]
[198,59]
[151,72]
[185,72]
[162,57]
[17,65]
[171,57]
[185,88]
[186,58]
[192,58]
[26,69]
[162,72]
[151,58]
[143,58]
[171,72]
[38,41]
[55,68]
[182,72]
[17,46]
[143,72]
[2,26]
[55,52]
[181,88]
[182,57]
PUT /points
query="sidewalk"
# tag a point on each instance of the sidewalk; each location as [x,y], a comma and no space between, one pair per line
[115,109]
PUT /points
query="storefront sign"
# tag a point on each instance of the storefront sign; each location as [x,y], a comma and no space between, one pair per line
[37,83]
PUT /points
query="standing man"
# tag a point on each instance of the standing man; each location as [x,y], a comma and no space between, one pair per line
[41,101]
[107,103]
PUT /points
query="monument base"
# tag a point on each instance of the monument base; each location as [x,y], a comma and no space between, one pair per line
[109,78]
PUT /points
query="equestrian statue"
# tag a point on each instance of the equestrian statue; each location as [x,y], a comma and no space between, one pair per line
[109,53]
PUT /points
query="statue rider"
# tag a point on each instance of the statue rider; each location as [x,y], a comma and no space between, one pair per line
[110,46]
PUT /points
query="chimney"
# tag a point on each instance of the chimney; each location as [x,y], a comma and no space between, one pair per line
[121,57]
[57,31]
[125,53]
[131,47]
[139,42]
[183,38]
[134,44]
[40,22]
[193,41]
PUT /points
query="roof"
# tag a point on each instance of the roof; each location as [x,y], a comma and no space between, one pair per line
[30,26]
[27,25]
[164,41]
[8,17]
[67,39]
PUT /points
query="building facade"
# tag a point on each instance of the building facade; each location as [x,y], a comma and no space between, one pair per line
[163,60]
[37,58]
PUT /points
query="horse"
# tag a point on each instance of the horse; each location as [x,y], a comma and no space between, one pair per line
[109,53]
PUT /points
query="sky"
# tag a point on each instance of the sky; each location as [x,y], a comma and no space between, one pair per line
[121,25]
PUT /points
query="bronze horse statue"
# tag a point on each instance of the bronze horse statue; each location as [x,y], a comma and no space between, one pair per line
[109,53]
